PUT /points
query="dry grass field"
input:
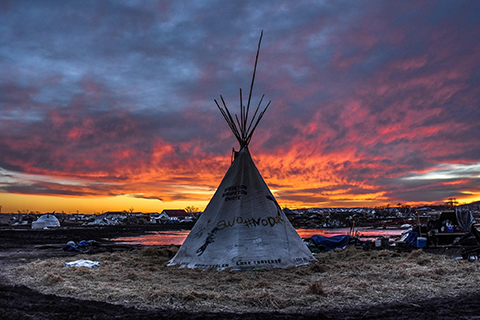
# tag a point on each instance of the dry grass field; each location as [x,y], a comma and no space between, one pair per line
[340,279]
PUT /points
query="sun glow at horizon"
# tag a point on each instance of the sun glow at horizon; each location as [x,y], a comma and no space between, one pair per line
[92,205]
[361,115]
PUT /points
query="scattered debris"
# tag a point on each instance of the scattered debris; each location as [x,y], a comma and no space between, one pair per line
[83,263]
[81,246]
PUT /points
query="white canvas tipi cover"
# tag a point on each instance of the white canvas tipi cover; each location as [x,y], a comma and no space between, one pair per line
[242,226]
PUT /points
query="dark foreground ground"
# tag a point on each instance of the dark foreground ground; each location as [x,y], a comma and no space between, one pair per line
[19,302]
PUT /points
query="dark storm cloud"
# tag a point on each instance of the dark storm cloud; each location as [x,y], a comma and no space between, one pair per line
[364,94]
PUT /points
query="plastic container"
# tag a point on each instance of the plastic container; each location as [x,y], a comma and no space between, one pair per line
[382,243]
[421,242]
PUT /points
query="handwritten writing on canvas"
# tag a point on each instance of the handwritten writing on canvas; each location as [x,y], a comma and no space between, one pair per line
[250,222]
[234,193]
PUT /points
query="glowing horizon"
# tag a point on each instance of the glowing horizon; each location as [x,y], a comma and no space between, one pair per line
[372,103]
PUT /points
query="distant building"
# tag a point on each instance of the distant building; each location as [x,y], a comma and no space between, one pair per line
[171,215]
[179,213]
[6,218]
[289,213]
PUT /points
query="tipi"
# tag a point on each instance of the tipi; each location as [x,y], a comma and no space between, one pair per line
[243,226]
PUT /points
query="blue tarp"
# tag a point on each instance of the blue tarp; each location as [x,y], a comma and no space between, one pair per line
[81,246]
[330,243]
[411,240]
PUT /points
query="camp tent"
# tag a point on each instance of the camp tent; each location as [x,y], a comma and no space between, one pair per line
[46,221]
[465,219]
[243,226]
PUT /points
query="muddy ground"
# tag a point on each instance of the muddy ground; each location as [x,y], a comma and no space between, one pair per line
[19,247]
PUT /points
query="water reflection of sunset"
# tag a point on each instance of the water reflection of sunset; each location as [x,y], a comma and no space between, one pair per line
[157,238]
[165,238]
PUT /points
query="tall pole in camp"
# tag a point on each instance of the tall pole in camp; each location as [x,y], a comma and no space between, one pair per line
[241,127]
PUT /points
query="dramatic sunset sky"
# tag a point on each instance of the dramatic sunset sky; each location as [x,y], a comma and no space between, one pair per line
[108,105]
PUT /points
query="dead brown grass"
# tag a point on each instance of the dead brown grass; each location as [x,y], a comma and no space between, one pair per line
[345,278]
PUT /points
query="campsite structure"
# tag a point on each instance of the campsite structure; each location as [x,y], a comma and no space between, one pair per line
[46,221]
[243,226]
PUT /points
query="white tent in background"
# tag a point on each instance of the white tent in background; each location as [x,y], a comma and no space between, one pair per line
[46,221]
[243,226]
